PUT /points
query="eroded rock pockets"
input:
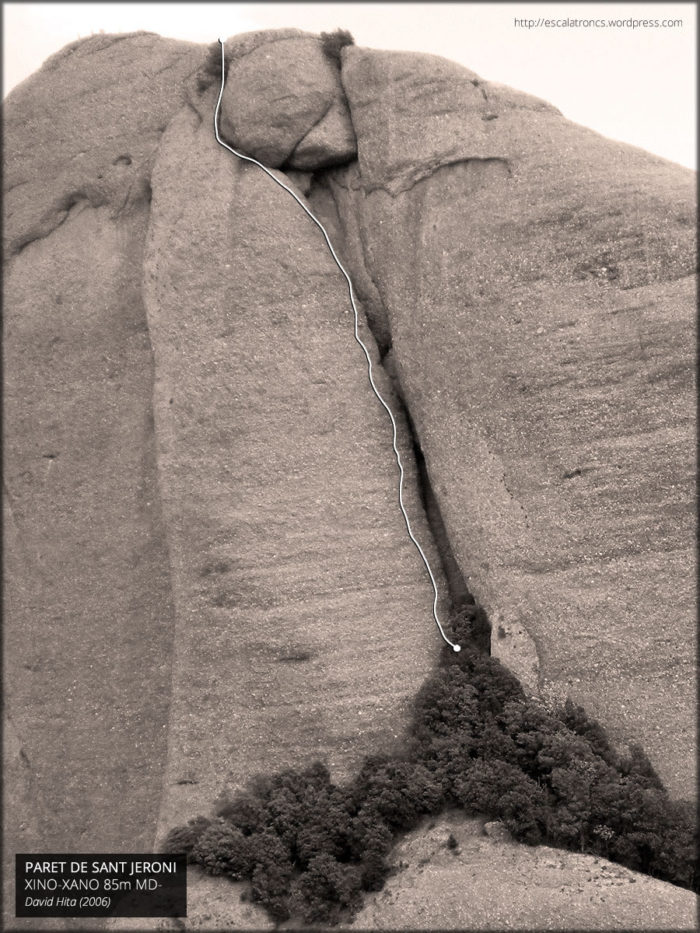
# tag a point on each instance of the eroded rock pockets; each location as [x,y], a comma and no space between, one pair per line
[85,128]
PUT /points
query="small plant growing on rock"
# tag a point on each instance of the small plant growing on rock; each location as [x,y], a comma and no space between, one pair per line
[333,42]
[210,71]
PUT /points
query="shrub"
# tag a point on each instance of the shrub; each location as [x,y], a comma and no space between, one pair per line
[183,839]
[523,810]
[576,719]
[269,887]
[309,848]
[482,786]
[209,71]
[222,849]
[531,729]
[495,685]
[493,742]
[327,827]
[333,42]
[446,705]
[326,890]
[244,811]
[374,869]
[369,834]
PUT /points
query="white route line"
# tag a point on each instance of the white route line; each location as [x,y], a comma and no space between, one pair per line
[357,336]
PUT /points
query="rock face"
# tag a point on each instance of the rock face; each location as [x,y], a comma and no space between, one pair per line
[207,572]
[88,599]
[301,607]
[537,280]
[283,101]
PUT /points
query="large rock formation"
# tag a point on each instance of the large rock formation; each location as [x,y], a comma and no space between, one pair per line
[303,614]
[538,285]
[201,481]
[207,572]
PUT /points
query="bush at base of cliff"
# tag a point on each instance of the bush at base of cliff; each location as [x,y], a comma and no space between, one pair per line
[310,848]
[326,891]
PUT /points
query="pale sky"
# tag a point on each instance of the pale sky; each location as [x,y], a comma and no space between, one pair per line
[632,84]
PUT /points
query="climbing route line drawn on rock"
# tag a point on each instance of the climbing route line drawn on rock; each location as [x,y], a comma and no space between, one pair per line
[320,226]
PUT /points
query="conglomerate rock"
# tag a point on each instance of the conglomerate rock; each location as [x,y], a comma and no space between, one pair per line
[539,291]
[283,101]
[207,572]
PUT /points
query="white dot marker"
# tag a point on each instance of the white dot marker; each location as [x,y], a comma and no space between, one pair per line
[456,648]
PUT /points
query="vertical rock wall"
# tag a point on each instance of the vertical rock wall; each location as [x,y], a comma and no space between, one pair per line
[88,609]
[538,284]
[207,572]
[303,609]
[87,595]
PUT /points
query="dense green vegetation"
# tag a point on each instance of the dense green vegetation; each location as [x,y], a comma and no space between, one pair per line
[310,848]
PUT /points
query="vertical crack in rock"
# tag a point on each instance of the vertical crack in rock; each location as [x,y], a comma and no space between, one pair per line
[254,353]
[463,603]
[347,237]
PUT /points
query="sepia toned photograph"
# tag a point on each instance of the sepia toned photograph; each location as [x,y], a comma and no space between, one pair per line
[349,466]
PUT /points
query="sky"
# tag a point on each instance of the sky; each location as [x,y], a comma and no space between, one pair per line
[635,84]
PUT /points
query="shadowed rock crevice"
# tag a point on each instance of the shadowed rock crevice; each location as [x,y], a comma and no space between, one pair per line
[463,603]
[347,235]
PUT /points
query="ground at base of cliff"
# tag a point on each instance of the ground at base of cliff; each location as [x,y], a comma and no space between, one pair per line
[474,882]
[488,883]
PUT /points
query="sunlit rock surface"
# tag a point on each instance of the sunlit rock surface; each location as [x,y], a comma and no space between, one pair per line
[207,572]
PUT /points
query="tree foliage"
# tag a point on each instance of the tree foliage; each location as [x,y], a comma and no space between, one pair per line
[310,848]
